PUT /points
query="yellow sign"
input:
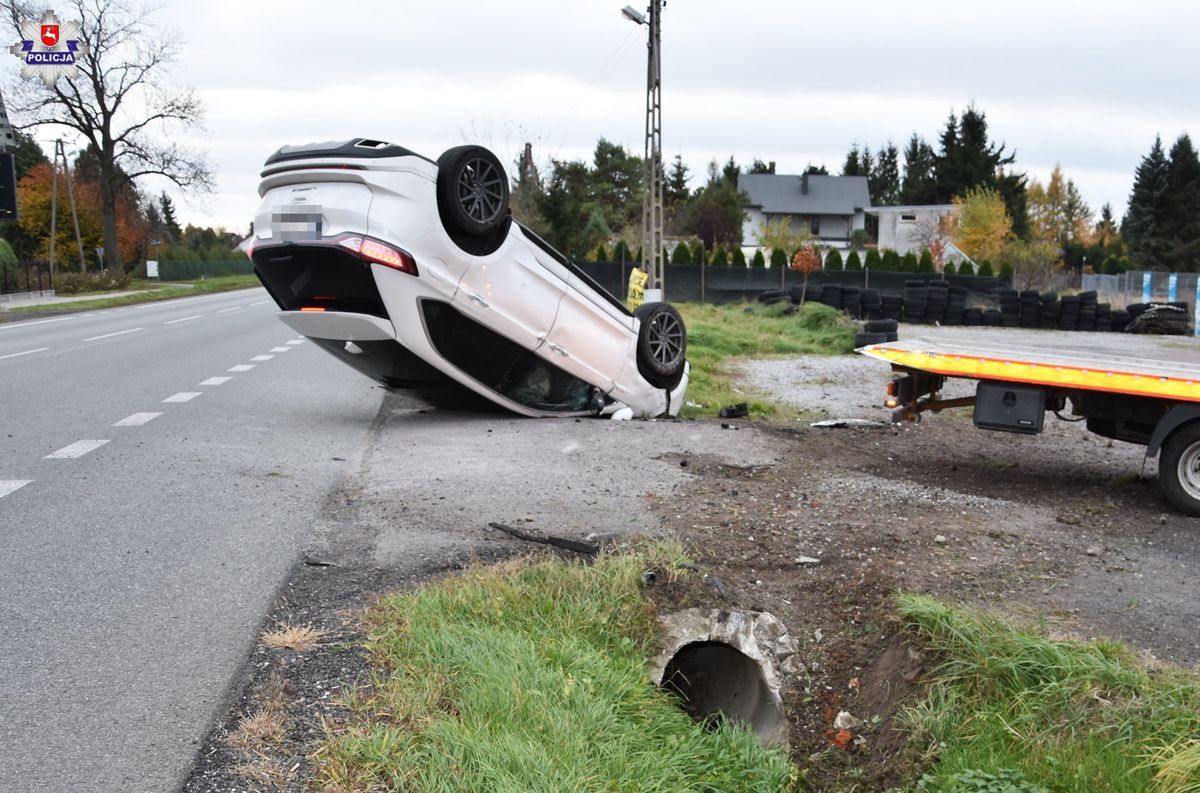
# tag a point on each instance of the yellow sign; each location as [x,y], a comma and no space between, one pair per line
[637,287]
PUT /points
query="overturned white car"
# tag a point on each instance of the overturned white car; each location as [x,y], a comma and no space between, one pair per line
[414,272]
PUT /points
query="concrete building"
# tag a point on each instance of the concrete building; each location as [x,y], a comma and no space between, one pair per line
[831,207]
[911,228]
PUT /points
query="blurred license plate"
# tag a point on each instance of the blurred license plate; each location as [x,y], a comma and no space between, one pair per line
[296,223]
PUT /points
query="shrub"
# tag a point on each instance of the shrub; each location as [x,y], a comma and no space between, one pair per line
[890,261]
[681,255]
[926,256]
[909,263]
[698,254]
[859,239]
[779,258]
[601,254]
[874,260]
[738,259]
[758,260]
[78,283]
[985,269]
[719,257]
[1006,271]
[921,266]
[853,262]
[620,252]
[1112,266]
[834,261]
[949,268]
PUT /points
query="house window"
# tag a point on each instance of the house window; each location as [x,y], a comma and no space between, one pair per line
[814,226]
[908,218]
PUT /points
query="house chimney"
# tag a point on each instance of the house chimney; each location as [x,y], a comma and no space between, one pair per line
[804,184]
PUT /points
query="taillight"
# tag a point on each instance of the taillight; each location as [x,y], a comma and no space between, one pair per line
[388,256]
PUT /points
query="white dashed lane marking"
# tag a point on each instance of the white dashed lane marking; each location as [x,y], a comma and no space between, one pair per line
[137,419]
[294,342]
[262,357]
[227,310]
[183,319]
[216,381]
[12,485]
[260,303]
[241,367]
[280,349]
[110,335]
[36,322]
[76,449]
[183,396]
[19,354]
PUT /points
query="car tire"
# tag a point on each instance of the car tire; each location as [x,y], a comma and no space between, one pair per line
[661,344]
[864,339]
[1179,468]
[472,196]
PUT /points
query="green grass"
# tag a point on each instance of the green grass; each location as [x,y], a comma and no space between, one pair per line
[719,335]
[1058,715]
[530,676]
[160,291]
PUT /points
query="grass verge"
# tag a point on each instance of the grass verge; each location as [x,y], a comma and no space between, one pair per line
[1010,710]
[159,291]
[720,334]
[530,676]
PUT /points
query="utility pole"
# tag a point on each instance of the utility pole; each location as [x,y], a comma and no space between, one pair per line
[652,206]
[61,153]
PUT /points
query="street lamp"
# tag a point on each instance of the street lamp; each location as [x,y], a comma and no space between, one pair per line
[652,206]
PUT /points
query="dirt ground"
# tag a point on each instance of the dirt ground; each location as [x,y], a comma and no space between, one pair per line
[820,527]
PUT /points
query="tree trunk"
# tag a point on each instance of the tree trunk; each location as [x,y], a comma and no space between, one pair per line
[108,215]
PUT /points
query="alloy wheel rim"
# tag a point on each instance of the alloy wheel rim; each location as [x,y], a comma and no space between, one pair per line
[481,190]
[1189,471]
[666,339]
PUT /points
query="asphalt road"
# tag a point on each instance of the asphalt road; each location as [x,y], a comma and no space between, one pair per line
[160,469]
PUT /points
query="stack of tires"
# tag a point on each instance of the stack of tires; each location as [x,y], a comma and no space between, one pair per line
[852,301]
[831,295]
[914,301]
[1031,308]
[872,304]
[1104,317]
[1120,320]
[877,331]
[1010,308]
[1068,318]
[993,318]
[1087,311]
[956,305]
[893,306]
[937,296]
[1051,311]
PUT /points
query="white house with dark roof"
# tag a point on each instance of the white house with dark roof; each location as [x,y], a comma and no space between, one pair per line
[831,207]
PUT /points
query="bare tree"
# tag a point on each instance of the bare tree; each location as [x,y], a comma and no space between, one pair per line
[123,102]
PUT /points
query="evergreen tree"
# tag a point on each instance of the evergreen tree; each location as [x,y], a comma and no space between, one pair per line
[27,154]
[853,262]
[675,183]
[719,257]
[833,261]
[890,261]
[920,268]
[1006,271]
[926,259]
[1181,207]
[738,259]
[885,181]
[949,268]
[853,164]
[602,254]
[779,257]
[682,254]
[920,184]
[698,254]
[985,269]
[874,261]
[1111,266]
[758,166]
[909,263]
[758,260]
[620,252]
[1145,224]
[169,223]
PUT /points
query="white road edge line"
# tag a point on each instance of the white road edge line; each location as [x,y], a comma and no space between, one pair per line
[216,381]
[262,357]
[183,396]
[137,419]
[76,449]
[183,319]
[8,486]
[10,326]
[241,367]
[227,310]
[110,335]
[19,354]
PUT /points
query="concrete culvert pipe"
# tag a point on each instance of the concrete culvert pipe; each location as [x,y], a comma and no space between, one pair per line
[713,678]
[726,662]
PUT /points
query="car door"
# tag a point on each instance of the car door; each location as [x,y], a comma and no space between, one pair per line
[590,340]
[512,293]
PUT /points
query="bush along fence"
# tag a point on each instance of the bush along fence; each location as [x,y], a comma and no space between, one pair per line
[694,283]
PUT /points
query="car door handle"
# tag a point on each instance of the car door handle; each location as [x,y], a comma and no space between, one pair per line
[476,298]
[559,350]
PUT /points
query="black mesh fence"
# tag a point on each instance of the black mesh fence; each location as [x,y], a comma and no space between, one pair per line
[25,277]
[693,283]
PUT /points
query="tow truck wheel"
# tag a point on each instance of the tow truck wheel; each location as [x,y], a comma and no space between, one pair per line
[1179,468]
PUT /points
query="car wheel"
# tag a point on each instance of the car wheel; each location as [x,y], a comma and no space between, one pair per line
[661,344]
[1179,469]
[472,191]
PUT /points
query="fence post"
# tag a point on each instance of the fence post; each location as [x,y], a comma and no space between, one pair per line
[702,279]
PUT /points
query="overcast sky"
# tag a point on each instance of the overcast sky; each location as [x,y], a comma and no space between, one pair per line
[1087,85]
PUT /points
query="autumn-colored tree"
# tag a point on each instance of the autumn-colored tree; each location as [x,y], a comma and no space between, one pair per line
[33,223]
[982,227]
[1058,213]
[779,233]
[806,261]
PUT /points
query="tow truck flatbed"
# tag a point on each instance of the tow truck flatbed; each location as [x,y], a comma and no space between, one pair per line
[1139,389]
